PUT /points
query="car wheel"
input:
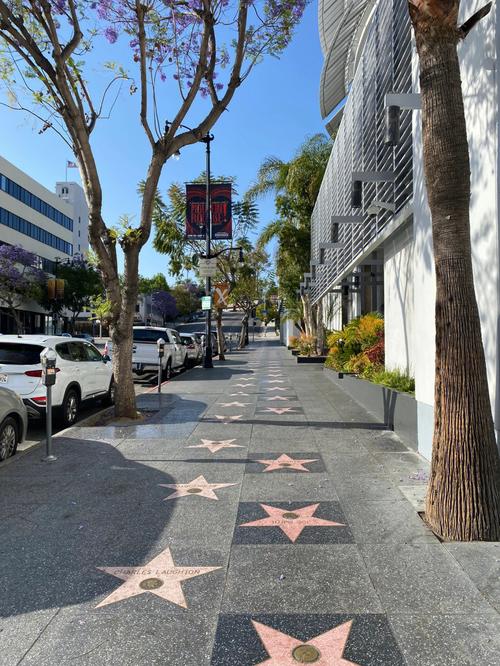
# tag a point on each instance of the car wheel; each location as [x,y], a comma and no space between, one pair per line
[167,373]
[70,407]
[110,396]
[9,438]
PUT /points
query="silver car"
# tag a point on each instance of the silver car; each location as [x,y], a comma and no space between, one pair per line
[13,422]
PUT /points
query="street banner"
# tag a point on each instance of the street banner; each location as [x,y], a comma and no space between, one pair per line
[195,211]
[221,293]
[220,194]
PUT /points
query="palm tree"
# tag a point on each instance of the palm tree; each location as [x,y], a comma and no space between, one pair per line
[295,184]
[463,500]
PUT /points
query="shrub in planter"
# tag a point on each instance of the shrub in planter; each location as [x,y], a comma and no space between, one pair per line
[293,341]
[306,345]
[394,379]
[358,336]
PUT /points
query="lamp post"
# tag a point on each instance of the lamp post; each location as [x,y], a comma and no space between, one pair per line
[207,358]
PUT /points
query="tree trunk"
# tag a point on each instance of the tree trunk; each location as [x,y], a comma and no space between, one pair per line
[320,329]
[463,496]
[220,335]
[308,315]
[244,332]
[122,336]
[17,320]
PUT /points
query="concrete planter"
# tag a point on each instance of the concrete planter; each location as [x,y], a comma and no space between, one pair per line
[295,352]
[311,359]
[398,411]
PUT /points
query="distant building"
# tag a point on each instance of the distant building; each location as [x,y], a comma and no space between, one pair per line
[73,194]
[38,220]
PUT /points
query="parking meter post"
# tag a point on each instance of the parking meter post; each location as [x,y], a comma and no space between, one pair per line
[48,360]
[161,352]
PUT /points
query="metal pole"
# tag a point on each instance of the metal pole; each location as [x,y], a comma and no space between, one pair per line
[49,457]
[159,382]
[207,361]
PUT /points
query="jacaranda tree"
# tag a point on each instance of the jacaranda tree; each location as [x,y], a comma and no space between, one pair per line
[179,51]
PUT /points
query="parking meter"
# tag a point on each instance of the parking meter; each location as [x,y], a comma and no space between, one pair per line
[48,359]
[160,343]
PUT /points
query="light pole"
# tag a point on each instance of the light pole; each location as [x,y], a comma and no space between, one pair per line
[207,359]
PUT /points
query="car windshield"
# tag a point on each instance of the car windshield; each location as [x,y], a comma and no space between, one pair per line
[147,335]
[19,354]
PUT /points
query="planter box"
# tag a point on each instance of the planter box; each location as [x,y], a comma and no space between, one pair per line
[295,352]
[397,411]
[311,359]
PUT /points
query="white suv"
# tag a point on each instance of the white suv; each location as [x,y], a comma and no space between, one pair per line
[145,350]
[82,373]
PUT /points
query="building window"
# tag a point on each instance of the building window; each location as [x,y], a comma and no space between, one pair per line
[14,190]
[9,219]
[65,190]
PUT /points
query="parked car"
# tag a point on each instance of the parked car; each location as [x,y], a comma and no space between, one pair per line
[13,422]
[201,336]
[84,336]
[82,373]
[145,350]
[193,347]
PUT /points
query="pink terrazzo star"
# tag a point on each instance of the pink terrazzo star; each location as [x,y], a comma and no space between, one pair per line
[160,576]
[276,388]
[291,521]
[228,419]
[243,385]
[324,650]
[216,445]
[281,410]
[231,395]
[285,462]
[277,397]
[198,486]
[276,381]
[233,404]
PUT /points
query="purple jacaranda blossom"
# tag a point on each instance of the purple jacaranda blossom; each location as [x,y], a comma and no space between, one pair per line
[111,34]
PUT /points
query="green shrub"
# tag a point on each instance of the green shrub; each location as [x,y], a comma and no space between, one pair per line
[306,345]
[394,379]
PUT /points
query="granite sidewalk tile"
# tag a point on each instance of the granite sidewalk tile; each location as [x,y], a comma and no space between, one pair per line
[368,573]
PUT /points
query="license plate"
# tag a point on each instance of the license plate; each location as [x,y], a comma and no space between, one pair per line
[4,379]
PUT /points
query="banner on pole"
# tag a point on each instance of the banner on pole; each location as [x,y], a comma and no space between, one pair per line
[220,194]
[221,293]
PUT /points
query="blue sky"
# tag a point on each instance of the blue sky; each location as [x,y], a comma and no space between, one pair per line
[271,114]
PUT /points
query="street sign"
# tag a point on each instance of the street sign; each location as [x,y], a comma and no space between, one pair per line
[221,292]
[206,302]
[207,267]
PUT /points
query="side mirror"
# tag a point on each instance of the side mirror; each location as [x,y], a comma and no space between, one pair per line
[105,358]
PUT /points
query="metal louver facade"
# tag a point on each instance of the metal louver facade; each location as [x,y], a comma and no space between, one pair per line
[384,66]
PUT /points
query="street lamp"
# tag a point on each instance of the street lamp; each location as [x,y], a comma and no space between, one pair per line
[206,139]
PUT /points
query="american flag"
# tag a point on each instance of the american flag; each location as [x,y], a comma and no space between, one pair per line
[71,165]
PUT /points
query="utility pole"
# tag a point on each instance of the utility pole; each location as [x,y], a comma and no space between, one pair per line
[207,359]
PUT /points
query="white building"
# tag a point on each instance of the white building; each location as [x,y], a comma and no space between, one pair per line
[371,243]
[36,219]
[73,194]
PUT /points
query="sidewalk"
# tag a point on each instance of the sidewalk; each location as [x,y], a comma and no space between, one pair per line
[260,518]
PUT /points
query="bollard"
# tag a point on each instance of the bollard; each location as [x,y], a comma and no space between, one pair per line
[48,360]
[160,343]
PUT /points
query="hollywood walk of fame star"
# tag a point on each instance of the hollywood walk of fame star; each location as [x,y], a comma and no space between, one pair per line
[216,445]
[277,397]
[198,486]
[281,410]
[246,379]
[243,385]
[238,393]
[276,381]
[228,419]
[276,388]
[285,462]
[291,521]
[233,404]
[160,576]
[323,650]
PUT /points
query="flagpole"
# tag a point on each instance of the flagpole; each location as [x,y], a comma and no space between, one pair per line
[66,172]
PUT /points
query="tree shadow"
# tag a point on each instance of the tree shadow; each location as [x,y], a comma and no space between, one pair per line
[62,520]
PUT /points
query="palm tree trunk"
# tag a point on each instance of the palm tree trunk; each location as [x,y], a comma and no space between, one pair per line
[463,496]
